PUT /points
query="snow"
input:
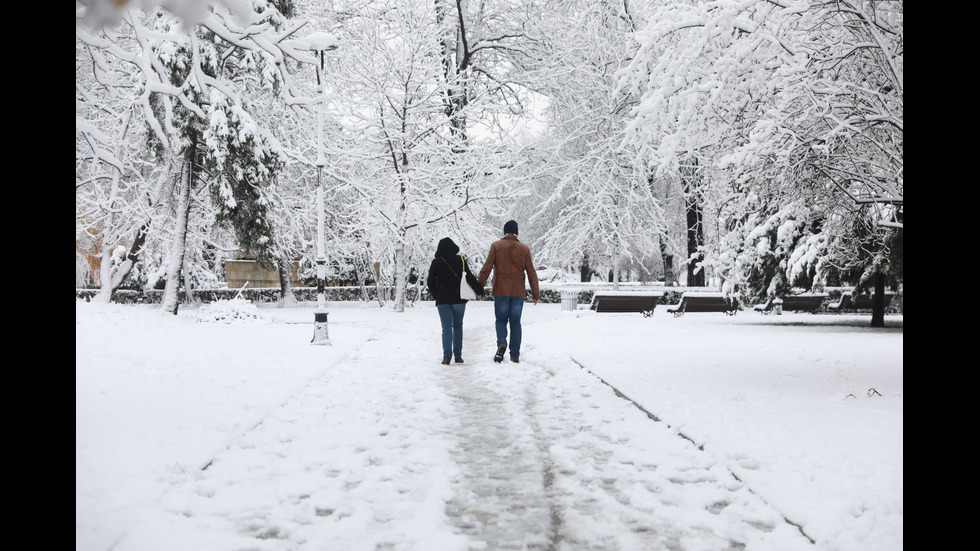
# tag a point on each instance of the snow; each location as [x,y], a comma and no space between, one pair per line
[321,42]
[631,292]
[223,428]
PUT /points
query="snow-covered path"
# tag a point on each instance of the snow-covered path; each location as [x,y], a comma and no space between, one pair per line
[552,459]
[241,436]
[502,492]
[537,455]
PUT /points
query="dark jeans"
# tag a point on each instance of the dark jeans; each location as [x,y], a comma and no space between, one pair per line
[451,316]
[508,310]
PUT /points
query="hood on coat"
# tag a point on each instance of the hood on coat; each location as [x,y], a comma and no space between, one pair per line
[447,248]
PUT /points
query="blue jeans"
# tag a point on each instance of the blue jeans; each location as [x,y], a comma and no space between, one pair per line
[451,316]
[508,310]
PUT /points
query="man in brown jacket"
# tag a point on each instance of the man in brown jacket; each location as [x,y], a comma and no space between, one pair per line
[510,260]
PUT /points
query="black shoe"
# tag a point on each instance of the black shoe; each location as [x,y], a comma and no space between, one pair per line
[499,356]
[458,360]
[445,362]
[515,360]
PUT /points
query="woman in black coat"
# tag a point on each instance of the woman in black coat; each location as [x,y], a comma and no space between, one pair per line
[443,280]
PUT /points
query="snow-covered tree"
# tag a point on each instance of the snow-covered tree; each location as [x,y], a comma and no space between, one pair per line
[406,162]
[118,187]
[194,68]
[220,144]
[596,200]
[776,126]
[800,103]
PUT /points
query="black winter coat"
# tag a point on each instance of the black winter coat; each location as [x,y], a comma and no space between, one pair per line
[444,274]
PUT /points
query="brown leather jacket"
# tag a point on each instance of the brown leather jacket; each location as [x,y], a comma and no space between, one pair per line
[510,259]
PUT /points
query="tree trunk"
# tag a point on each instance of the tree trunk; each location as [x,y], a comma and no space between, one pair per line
[283,279]
[399,274]
[378,289]
[615,274]
[360,269]
[668,260]
[170,299]
[878,302]
[455,62]
[111,280]
[188,284]
[690,177]
[110,285]
[285,285]
[585,271]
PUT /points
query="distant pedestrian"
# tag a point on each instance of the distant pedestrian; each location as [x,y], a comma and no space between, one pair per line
[447,269]
[510,261]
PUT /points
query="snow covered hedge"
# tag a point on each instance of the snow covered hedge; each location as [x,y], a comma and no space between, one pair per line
[333,294]
[267,294]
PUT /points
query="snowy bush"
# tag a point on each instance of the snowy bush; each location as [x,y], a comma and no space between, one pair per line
[228,311]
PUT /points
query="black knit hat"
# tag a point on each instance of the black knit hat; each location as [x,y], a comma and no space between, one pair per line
[510,227]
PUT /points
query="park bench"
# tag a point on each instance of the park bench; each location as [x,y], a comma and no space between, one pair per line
[849,302]
[611,301]
[704,302]
[804,302]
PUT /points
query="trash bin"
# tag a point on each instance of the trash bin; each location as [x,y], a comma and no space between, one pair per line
[777,306]
[569,300]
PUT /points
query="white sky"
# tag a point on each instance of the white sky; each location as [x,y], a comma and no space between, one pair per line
[196,434]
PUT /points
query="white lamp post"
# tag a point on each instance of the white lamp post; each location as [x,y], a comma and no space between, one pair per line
[320,43]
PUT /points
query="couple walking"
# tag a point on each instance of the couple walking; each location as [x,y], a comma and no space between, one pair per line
[510,260]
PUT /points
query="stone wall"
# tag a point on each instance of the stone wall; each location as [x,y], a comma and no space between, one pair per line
[238,272]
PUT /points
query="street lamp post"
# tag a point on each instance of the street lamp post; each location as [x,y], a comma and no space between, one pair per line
[320,43]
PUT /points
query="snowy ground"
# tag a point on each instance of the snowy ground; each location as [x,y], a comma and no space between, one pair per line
[205,432]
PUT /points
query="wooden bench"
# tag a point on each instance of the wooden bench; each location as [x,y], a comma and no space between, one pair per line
[803,302]
[852,303]
[611,301]
[704,302]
